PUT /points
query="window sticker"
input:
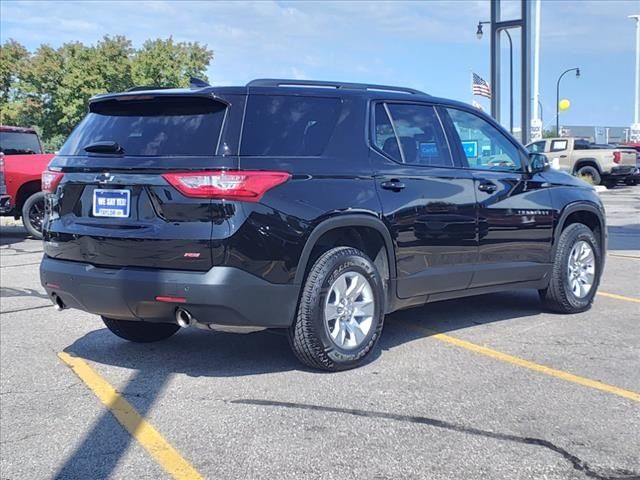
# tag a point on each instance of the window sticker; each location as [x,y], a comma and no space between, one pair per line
[428,150]
[470,148]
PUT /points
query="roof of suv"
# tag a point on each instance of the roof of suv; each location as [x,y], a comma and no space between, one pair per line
[272,85]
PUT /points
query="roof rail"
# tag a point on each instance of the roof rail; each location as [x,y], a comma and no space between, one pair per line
[282,82]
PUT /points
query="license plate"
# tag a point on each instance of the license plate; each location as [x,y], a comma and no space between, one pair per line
[111,203]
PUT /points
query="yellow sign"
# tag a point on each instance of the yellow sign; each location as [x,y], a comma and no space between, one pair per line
[564,104]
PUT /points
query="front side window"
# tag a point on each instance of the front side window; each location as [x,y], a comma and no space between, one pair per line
[412,134]
[288,125]
[485,147]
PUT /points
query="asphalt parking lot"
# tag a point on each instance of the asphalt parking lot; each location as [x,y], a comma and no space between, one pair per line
[486,387]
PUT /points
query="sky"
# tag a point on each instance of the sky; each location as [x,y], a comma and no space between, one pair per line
[429,45]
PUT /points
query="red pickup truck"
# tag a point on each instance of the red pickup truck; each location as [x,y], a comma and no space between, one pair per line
[22,162]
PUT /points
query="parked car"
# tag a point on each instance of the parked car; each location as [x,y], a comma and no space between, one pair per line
[22,162]
[601,164]
[314,207]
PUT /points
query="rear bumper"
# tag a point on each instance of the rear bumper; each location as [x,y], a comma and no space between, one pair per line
[223,295]
[5,205]
[622,171]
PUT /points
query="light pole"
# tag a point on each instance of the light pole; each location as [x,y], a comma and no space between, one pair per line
[577,70]
[479,33]
[635,128]
[540,109]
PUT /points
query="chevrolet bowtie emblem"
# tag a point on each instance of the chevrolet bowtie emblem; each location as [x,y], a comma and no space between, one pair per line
[104,178]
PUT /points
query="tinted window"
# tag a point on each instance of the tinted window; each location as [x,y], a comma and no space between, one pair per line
[288,125]
[583,145]
[537,147]
[16,143]
[484,145]
[559,145]
[161,126]
[420,136]
[385,138]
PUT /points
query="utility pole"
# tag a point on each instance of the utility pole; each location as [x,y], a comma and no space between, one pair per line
[635,128]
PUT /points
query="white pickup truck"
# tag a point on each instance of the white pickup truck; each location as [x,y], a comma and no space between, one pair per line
[600,164]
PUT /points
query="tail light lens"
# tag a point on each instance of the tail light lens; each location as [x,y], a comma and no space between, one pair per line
[245,185]
[50,180]
[617,156]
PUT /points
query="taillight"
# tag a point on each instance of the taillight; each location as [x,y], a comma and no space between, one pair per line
[50,180]
[617,156]
[245,185]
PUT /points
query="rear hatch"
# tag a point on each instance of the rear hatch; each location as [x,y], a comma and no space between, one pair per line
[116,202]
[627,157]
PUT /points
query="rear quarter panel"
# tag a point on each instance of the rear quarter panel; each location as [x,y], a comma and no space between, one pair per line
[21,169]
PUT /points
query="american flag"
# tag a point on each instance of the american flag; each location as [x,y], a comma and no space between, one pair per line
[480,87]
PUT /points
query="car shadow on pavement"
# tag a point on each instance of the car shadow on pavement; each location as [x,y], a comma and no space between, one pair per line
[12,234]
[215,354]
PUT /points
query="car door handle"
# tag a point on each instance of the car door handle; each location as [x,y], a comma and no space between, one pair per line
[563,156]
[487,186]
[394,185]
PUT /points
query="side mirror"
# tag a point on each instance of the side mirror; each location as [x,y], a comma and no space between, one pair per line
[538,163]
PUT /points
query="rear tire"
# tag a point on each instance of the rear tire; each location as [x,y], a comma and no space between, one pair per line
[140,332]
[610,184]
[560,296]
[341,311]
[33,214]
[590,172]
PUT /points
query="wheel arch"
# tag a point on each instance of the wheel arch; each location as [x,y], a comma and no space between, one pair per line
[25,191]
[345,223]
[586,213]
[587,161]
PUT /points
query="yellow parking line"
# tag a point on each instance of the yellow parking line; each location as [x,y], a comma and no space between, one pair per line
[154,443]
[553,372]
[619,297]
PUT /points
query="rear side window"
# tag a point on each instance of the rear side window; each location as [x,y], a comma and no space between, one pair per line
[287,126]
[416,136]
[559,145]
[176,126]
[19,143]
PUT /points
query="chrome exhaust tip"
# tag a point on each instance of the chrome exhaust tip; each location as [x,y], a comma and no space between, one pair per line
[184,318]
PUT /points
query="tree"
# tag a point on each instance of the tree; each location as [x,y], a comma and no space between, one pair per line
[50,88]
[164,63]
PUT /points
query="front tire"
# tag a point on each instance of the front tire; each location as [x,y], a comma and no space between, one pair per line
[33,214]
[140,332]
[341,311]
[577,268]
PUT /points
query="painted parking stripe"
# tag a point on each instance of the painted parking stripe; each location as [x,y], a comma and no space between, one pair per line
[152,441]
[619,297]
[635,257]
[536,367]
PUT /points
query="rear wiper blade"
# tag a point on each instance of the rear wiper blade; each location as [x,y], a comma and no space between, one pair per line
[104,147]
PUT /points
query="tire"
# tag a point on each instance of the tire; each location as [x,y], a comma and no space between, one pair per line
[140,332]
[610,184]
[631,182]
[590,171]
[310,336]
[559,295]
[33,214]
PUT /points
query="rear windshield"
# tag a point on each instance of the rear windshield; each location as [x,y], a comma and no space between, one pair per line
[151,127]
[19,143]
[280,125]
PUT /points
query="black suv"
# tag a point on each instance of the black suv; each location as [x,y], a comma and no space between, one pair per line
[316,207]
